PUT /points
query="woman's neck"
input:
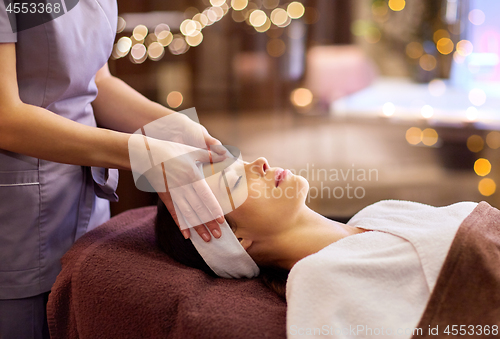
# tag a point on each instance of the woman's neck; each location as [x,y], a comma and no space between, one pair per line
[309,233]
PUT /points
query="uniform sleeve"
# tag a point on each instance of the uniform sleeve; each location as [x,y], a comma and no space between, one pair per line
[6,23]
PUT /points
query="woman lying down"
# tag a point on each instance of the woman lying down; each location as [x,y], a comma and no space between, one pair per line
[371,277]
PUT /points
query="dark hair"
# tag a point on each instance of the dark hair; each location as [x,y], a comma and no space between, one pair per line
[171,241]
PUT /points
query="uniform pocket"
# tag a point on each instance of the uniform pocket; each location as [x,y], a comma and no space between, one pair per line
[19,220]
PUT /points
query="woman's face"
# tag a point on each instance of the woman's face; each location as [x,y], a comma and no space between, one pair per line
[274,197]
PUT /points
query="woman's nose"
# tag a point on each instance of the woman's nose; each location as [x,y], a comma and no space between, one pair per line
[259,166]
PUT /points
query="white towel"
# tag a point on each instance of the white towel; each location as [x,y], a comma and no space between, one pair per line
[374,284]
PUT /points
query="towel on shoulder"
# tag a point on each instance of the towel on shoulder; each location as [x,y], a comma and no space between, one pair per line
[374,284]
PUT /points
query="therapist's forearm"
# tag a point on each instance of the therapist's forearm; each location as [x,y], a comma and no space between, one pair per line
[39,133]
[120,107]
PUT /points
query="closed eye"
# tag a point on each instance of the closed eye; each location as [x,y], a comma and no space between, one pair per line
[237,182]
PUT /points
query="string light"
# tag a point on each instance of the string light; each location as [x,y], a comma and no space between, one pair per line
[295,10]
[239,5]
[263,16]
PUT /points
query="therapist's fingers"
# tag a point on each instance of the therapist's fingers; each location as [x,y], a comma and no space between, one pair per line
[210,140]
[192,209]
[212,205]
[221,150]
[199,210]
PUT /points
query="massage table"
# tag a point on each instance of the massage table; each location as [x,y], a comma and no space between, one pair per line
[116,283]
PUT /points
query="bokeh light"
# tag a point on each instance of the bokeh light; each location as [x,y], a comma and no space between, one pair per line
[437,87]
[258,18]
[140,32]
[397,5]
[138,53]
[359,27]
[217,3]
[276,47]
[202,19]
[178,45]
[477,17]
[279,16]
[165,38]
[413,135]
[439,34]
[429,137]
[219,12]
[373,35]
[225,8]
[194,40]
[414,50]
[493,140]
[295,10]
[427,111]
[238,16]
[287,22]
[427,62]
[121,24]
[189,27]
[445,46]
[388,109]
[156,51]
[379,8]
[239,5]
[482,167]
[161,30]
[477,97]
[175,99]
[471,113]
[487,187]
[301,97]
[264,27]
[123,45]
[464,47]
[475,143]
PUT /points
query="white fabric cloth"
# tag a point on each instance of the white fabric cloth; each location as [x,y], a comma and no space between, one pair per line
[374,284]
[225,255]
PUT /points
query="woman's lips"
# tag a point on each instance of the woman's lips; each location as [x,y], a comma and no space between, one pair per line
[281,175]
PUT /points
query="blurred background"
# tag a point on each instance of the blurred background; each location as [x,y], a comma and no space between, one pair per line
[367,99]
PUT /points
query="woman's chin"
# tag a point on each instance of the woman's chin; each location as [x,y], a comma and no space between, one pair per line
[303,186]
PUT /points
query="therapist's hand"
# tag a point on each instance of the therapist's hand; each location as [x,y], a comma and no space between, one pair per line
[174,171]
[186,131]
[178,127]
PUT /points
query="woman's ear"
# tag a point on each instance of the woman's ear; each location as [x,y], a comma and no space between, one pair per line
[246,243]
